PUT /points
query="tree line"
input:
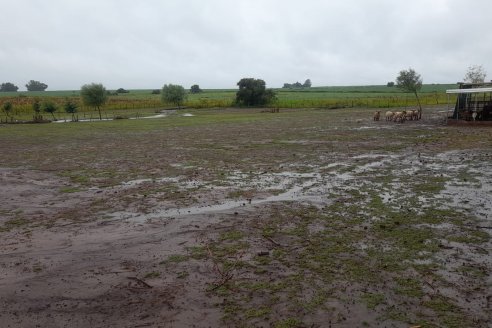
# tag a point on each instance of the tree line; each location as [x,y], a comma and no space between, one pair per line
[30,86]
[297,85]
[252,92]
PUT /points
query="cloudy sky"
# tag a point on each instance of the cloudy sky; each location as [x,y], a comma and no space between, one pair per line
[214,43]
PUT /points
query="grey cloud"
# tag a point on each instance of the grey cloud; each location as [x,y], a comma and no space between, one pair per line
[144,44]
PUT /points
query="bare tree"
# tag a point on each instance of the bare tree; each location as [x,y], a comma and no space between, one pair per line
[475,74]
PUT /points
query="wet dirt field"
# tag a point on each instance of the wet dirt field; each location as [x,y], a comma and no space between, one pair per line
[232,218]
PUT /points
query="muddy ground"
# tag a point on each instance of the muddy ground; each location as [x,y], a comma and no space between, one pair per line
[241,218]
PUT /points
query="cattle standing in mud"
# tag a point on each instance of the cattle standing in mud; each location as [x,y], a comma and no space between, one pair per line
[377,115]
[389,115]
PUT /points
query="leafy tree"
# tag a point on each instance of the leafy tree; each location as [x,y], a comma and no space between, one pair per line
[195,89]
[156,91]
[7,107]
[50,107]
[94,95]
[297,85]
[172,93]
[410,81]
[253,92]
[287,86]
[475,74]
[390,84]
[307,83]
[70,108]
[121,90]
[8,87]
[36,86]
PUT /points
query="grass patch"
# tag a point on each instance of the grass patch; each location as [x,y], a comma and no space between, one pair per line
[176,258]
[372,300]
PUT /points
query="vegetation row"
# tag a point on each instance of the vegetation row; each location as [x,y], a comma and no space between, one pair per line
[251,92]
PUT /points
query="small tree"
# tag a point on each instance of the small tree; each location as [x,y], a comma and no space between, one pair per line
[410,81]
[7,108]
[94,95]
[50,107]
[70,108]
[253,92]
[8,87]
[36,86]
[390,84]
[475,74]
[307,83]
[195,89]
[175,94]
[36,107]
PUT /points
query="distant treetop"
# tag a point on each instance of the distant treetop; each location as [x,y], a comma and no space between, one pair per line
[195,88]
[8,87]
[36,86]
[297,85]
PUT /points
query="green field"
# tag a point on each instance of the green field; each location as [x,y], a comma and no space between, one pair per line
[136,101]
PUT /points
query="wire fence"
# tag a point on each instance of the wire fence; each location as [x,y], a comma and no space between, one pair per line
[22,106]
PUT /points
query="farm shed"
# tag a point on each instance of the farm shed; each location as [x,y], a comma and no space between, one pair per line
[473,102]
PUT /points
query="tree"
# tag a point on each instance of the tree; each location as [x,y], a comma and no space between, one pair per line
[172,93]
[7,108]
[252,92]
[36,107]
[475,74]
[94,95]
[71,108]
[390,84]
[8,87]
[50,107]
[121,90]
[195,89]
[36,86]
[307,83]
[410,81]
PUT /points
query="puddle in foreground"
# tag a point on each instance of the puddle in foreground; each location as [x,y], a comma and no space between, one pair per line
[297,193]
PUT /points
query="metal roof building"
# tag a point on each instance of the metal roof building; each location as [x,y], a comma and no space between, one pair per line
[474,102]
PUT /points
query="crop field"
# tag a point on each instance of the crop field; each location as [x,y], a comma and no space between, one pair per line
[135,101]
[239,217]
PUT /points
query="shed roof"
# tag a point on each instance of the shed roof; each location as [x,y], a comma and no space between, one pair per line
[472,90]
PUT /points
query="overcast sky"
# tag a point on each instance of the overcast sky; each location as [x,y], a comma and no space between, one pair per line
[214,43]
